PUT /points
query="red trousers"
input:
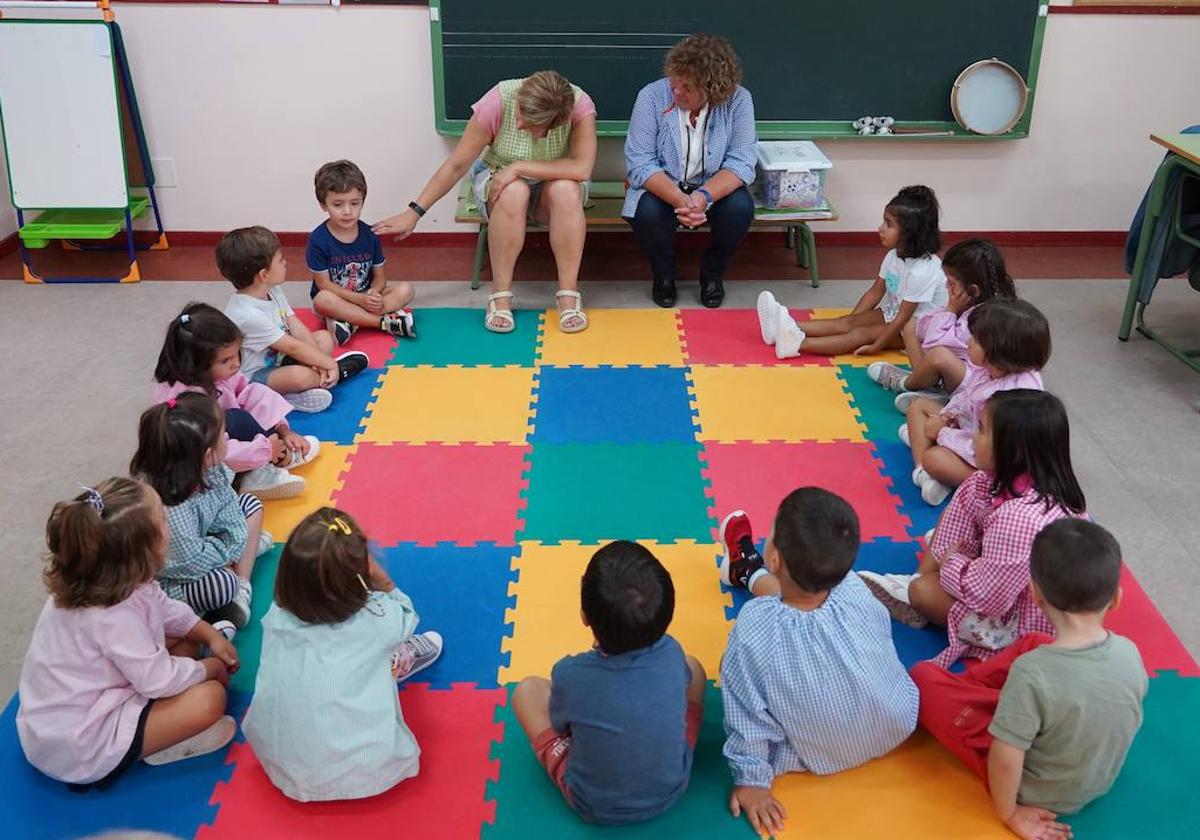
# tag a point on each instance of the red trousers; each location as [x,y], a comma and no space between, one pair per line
[957,708]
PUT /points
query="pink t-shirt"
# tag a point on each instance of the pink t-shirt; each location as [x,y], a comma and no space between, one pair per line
[489,110]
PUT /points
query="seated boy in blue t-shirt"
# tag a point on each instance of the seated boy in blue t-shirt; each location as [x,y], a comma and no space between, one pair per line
[346,260]
[615,727]
[810,678]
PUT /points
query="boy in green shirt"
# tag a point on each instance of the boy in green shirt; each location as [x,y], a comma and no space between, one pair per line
[1047,723]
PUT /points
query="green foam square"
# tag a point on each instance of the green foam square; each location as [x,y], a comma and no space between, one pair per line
[603,491]
[526,797]
[249,639]
[456,336]
[875,405]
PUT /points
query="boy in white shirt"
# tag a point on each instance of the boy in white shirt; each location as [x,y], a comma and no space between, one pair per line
[278,350]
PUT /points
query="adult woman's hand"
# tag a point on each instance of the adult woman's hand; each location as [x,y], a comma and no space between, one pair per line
[401,224]
[501,178]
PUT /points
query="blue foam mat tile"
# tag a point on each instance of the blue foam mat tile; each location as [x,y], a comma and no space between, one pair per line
[462,593]
[898,465]
[615,405]
[342,421]
[40,808]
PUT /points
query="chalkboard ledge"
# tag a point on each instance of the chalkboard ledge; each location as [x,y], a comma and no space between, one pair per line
[824,130]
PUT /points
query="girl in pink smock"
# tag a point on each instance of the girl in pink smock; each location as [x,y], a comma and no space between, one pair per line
[112,674]
[1010,344]
[202,352]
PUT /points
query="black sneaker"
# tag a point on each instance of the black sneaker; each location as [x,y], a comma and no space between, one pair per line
[741,558]
[340,330]
[350,364]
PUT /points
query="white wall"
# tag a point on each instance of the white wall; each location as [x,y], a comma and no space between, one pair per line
[249,100]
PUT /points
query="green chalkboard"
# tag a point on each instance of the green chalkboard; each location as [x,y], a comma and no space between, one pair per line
[813,66]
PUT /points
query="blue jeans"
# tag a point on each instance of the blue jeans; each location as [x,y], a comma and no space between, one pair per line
[654,224]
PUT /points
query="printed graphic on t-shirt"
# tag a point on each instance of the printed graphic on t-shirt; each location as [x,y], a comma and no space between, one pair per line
[892,280]
[351,271]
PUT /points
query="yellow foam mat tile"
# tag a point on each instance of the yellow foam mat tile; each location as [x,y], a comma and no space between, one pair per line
[324,477]
[779,403]
[619,337]
[451,405]
[917,791]
[546,625]
[896,357]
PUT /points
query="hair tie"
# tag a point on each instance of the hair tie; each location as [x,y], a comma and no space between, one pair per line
[184,318]
[92,499]
[171,403]
[339,524]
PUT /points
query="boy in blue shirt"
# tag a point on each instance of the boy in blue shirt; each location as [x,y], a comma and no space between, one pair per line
[346,260]
[615,727]
[810,678]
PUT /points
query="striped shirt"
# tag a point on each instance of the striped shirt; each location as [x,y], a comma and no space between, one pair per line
[653,142]
[208,531]
[988,539]
[819,690]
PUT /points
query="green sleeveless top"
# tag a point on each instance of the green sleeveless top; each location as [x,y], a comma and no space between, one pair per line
[512,144]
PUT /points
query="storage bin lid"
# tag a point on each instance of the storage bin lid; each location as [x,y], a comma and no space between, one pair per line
[791,156]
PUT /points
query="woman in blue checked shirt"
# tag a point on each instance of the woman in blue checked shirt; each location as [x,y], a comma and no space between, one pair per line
[689,155]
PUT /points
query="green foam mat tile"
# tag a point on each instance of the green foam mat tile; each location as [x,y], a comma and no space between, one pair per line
[875,404]
[249,638]
[449,336]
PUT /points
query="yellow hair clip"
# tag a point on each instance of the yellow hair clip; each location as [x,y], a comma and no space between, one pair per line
[339,524]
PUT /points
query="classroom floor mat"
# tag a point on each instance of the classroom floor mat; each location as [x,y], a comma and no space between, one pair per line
[487,469]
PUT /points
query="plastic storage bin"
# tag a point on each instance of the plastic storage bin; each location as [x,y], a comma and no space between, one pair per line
[792,174]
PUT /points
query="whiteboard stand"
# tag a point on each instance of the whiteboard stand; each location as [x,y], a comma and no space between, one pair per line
[73,137]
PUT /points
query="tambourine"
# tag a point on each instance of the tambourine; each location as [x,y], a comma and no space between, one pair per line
[989,97]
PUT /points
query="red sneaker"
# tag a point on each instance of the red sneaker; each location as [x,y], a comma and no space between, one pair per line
[741,558]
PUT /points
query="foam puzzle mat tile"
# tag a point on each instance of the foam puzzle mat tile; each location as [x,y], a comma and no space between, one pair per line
[875,405]
[451,336]
[604,491]
[732,337]
[340,422]
[249,639]
[435,493]
[446,583]
[547,595]
[451,405]
[455,729]
[896,357]
[323,476]
[613,405]
[755,477]
[620,337]
[377,345]
[1139,620]
[773,404]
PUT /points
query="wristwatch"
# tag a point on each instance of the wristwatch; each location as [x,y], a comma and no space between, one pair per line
[420,211]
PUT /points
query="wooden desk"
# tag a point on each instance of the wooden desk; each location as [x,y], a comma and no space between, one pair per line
[1183,152]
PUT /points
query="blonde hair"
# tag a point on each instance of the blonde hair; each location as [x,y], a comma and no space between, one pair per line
[546,99]
[103,544]
[708,62]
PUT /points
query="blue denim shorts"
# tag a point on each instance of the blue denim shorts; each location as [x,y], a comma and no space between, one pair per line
[262,375]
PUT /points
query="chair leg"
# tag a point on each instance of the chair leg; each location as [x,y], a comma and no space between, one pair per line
[810,250]
[480,252]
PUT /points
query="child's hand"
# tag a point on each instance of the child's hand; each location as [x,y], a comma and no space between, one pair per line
[214,669]
[329,374]
[224,650]
[373,302]
[868,350]
[377,578]
[765,812]
[1037,824]
[293,442]
[278,449]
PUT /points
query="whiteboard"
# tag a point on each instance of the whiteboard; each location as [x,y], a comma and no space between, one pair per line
[58,105]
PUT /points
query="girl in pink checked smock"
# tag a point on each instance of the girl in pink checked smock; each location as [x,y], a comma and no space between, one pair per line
[974,577]
[1010,344]
[936,343]
[112,674]
[202,352]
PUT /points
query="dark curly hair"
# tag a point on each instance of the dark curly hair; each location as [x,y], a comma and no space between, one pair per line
[709,62]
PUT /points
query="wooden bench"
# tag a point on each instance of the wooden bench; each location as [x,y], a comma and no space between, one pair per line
[605,200]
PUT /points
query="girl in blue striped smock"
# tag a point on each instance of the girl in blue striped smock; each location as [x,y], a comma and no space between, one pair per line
[325,720]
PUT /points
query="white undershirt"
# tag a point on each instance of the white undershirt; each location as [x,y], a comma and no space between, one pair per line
[693,167]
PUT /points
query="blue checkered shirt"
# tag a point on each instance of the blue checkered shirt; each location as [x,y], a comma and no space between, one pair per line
[208,531]
[819,690]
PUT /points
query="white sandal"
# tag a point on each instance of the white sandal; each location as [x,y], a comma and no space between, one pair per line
[499,320]
[575,311]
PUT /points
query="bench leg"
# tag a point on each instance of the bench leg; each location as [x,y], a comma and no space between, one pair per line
[790,236]
[810,253]
[480,252]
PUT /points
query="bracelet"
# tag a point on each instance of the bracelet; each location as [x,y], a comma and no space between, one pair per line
[707,195]
[416,208]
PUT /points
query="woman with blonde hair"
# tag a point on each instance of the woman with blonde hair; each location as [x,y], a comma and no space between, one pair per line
[529,149]
[689,155]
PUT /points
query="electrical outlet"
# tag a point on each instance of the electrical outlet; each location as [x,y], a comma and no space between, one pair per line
[164,172]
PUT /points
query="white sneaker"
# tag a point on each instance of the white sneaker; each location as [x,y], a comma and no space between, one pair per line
[416,654]
[788,335]
[299,459]
[226,629]
[888,375]
[892,592]
[265,543]
[239,607]
[902,433]
[768,316]
[203,743]
[919,476]
[933,491]
[270,482]
[904,400]
[310,401]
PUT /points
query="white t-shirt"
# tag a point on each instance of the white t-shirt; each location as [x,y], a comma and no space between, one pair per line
[691,145]
[262,322]
[918,280]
